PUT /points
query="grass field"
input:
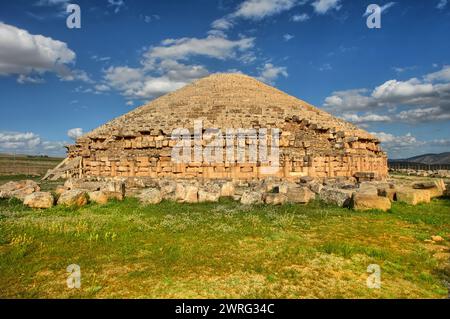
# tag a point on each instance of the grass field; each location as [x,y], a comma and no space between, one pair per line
[19,166]
[223,250]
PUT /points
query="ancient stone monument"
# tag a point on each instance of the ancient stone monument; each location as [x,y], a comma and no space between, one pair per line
[311,142]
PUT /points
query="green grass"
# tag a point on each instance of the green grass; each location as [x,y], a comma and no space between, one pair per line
[223,250]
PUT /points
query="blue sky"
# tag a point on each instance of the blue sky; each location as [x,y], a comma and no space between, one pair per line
[56,82]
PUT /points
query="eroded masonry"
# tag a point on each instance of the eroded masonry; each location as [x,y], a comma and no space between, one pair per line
[312,142]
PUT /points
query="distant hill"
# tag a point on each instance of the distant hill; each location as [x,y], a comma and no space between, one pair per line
[429,159]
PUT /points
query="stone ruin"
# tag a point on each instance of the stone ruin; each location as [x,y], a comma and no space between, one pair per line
[308,152]
[312,142]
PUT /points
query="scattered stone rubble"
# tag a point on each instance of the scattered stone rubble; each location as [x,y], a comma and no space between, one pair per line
[364,195]
[18,189]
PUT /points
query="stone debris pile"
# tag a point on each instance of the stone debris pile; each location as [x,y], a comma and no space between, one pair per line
[340,192]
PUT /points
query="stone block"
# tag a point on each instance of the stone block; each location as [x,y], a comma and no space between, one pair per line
[367,201]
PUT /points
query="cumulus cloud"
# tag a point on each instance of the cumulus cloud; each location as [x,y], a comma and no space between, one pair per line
[211,46]
[418,100]
[140,84]
[75,133]
[396,91]
[269,73]
[325,6]
[28,143]
[349,100]
[30,56]
[165,67]
[24,53]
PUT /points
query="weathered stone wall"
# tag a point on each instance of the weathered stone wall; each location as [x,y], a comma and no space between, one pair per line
[305,152]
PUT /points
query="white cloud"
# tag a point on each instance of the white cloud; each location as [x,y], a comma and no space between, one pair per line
[162,71]
[419,100]
[17,140]
[22,79]
[393,90]
[300,17]
[350,100]
[24,53]
[75,75]
[154,87]
[442,75]
[288,37]
[269,73]
[31,56]
[52,147]
[403,146]
[259,9]
[324,6]
[101,88]
[177,71]
[75,133]
[141,84]
[255,10]
[28,143]
[424,114]
[398,145]
[222,24]
[441,4]
[366,118]
[211,46]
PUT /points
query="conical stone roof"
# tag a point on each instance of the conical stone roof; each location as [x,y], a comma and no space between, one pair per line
[224,101]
